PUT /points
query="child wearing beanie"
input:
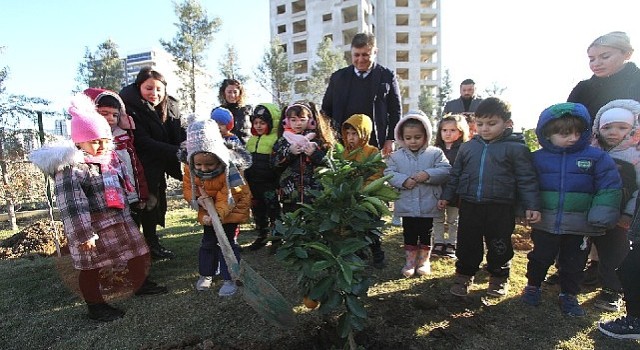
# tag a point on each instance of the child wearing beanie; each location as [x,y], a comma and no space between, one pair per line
[207,175]
[261,176]
[239,155]
[110,106]
[90,185]
[616,131]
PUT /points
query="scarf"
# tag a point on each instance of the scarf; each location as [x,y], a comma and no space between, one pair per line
[109,168]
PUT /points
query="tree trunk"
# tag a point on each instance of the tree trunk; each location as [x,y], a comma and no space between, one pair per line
[11,212]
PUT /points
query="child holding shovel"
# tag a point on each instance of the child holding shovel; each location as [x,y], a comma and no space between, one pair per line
[209,173]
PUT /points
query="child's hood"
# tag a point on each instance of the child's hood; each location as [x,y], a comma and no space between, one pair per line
[558,111]
[124,121]
[54,157]
[623,110]
[422,118]
[270,113]
[363,126]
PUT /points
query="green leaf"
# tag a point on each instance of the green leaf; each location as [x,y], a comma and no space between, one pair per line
[347,273]
[335,216]
[322,264]
[351,245]
[354,305]
[321,288]
[334,299]
[301,253]
[344,326]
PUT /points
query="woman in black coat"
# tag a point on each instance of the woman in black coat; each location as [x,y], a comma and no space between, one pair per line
[157,138]
[232,97]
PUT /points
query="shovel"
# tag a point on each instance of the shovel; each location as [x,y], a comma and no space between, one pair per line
[261,295]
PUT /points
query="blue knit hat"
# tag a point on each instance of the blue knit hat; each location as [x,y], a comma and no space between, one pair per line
[223,116]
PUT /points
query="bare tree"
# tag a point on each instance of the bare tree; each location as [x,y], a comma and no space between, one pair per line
[188,46]
[274,74]
[329,60]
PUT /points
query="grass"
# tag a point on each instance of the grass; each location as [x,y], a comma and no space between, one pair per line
[40,311]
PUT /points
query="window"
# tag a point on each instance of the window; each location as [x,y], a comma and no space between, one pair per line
[300,67]
[300,26]
[282,28]
[280,9]
[402,38]
[402,20]
[403,73]
[298,6]
[326,17]
[350,14]
[402,3]
[299,46]
[300,86]
[402,56]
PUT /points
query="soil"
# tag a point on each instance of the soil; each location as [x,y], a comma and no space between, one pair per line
[35,239]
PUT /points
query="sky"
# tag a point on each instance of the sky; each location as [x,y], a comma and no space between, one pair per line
[535,49]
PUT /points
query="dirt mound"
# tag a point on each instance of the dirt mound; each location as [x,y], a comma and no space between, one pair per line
[35,239]
[521,238]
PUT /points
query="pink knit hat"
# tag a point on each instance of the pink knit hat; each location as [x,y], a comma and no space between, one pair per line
[86,123]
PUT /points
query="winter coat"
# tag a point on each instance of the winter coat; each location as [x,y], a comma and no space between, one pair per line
[218,190]
[157,143]
[626,154]
[241,122]
[500,171]
[262,172]
[297,171]
[579,185]
[80,196]
[457,106]
[385,97]
[422,200]
[363,126]
[595,92]
[239,155]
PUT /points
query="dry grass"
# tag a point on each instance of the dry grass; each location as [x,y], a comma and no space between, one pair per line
[41,312]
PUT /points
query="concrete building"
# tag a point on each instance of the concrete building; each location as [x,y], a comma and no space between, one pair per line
[407,33]
[159,59]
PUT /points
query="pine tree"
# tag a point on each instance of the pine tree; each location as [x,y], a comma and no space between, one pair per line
[102,68]
[329,60]
[230,65]
[275,75]
[188,46]
[444,92]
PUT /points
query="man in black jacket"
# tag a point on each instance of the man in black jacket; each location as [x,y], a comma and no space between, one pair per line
[365,87]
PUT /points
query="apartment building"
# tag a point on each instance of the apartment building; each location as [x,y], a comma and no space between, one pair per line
[159,59]
[407,33]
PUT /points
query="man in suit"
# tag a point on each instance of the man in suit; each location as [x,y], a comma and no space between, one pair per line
[467,102]
[365,87]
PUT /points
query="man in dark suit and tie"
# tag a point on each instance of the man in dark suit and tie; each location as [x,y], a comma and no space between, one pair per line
[365,87]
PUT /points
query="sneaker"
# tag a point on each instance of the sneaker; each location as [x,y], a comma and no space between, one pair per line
[396,221]
[591,276]
[260,242]
[498,287]
[552,279]
[438,249]
[204,283]
[625,327]
[569,306]
[461,285]
[608,300]
[531,295]
[450,251]
[228,289]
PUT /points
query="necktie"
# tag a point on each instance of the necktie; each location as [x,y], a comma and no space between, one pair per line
[361,74]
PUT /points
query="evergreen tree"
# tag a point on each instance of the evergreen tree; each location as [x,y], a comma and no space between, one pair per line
[329,60]
[188,46]
[494,90]
[427,103]
[444,92]
[275,75]
[230,65]
[102,68]
[4,71]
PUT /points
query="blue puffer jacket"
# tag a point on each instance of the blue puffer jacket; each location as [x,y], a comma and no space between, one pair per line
[500,171]
[580,185]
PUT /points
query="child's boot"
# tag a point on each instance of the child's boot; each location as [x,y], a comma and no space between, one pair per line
[423,266]
[104,312]
[461,285]
[411,254]
[498,286]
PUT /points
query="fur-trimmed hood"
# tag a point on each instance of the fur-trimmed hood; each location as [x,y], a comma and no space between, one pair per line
[54,157]
[419,116]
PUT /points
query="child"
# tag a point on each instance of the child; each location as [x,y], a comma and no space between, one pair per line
[356,133]
[306,138]
[418,172]
[628,327]
[262,178]
[580,190]
[90,183]
[207,174]
[110,106]
[615,127]
[453,130]
[492,172]
[239,155]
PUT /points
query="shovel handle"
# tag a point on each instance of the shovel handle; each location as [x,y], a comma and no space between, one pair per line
[225,246]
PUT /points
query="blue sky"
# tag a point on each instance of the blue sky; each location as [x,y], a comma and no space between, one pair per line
[537,49]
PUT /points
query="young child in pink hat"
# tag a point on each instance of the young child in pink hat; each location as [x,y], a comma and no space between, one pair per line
[90,186]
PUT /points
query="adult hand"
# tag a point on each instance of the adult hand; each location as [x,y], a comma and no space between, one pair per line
[387,148]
